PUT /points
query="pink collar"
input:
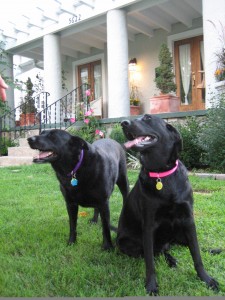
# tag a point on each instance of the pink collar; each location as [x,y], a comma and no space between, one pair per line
[163,174]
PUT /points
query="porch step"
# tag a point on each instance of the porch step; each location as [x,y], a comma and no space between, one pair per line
[21,151]
[8,161]
[21,155]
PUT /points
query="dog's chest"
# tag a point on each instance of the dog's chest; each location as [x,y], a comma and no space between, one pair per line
[85,196]
[173,212]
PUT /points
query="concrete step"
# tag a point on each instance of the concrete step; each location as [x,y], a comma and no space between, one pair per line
[6,161]
[23,142]
[21,151]
[21,155]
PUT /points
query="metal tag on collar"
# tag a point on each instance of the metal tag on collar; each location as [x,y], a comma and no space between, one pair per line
[159,184]
[74,181]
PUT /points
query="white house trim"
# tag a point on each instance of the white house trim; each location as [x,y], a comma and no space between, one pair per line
[181,36]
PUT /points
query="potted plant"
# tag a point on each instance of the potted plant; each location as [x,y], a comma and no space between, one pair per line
[164,80]
[220,71]
[27,107]
[135,108]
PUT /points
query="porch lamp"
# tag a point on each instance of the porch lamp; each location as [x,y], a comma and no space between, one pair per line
[132,65]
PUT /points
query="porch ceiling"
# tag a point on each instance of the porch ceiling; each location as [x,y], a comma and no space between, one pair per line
[142,16]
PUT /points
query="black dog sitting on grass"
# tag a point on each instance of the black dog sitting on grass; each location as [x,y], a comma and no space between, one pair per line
[159,209]
[87,174]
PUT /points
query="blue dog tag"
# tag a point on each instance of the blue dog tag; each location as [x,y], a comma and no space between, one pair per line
[74,182]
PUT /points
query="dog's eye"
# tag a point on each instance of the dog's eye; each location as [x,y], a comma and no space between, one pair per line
[170,127]
[146,117]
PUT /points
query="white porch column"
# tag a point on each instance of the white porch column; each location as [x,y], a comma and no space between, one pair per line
[212,12]
[117,50]
[9,73]
[52,69]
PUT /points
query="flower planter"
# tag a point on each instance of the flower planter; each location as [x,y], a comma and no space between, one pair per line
[135,110]
[164,103]
[220,86]
[28,119]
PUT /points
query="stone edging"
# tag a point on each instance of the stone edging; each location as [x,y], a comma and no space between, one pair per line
[209,175]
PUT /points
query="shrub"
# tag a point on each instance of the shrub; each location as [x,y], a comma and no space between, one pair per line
[212,137]
[117,134]
[132,156]
[5,143]
[164,72]
[193,154]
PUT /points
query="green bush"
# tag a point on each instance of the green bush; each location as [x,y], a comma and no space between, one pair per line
[212,136]
[5,144]
[164,72]
[132,156]
[117,134]
[193,155]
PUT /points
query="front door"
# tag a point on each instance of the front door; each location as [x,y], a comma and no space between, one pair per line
[91,73]
[189,69]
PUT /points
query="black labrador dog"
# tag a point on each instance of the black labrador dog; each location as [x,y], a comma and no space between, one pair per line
[87,174]
[159,209]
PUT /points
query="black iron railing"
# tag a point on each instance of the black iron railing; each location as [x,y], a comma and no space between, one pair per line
[60,114]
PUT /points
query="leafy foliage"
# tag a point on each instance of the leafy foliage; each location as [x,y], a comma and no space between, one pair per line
[133,162]
[28,105]
[91,129]
[117,134]
[5,144]
[132,156]
[212,137]
[164,73]
[134,95]
[4,108]
[193,154]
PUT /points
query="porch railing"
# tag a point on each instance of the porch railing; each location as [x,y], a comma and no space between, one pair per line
[60,114]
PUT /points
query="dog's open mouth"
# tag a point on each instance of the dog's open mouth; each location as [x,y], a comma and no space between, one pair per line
[141,142]
[44,156]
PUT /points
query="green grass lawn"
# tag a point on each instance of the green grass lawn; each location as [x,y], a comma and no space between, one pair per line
[35,260]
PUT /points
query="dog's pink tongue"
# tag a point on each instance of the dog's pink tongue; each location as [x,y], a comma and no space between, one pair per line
[43,155]
[132,143]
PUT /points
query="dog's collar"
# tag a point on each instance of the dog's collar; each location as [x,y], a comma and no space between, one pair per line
[160,175]
[72,174]
[163,174]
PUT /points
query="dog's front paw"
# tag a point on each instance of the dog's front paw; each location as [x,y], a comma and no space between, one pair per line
[93,221]
[72,239]
[107,246]
[213,284]
[152,288]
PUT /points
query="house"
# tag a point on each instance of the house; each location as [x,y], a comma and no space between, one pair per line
[93,41]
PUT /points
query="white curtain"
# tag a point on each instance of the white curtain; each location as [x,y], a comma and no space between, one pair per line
[185,68]
[202,54]
[97,81]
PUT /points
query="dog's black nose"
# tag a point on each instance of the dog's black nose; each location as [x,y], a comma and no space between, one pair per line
[31,139]
[125,123]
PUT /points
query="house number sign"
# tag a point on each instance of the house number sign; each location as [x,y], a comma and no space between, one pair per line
[74,19]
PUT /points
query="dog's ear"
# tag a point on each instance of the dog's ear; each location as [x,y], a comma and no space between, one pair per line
[178,145]
[177,137]
[78,142]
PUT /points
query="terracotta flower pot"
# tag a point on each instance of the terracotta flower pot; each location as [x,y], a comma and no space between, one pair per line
[164,103]
[135,110]
[28,119]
